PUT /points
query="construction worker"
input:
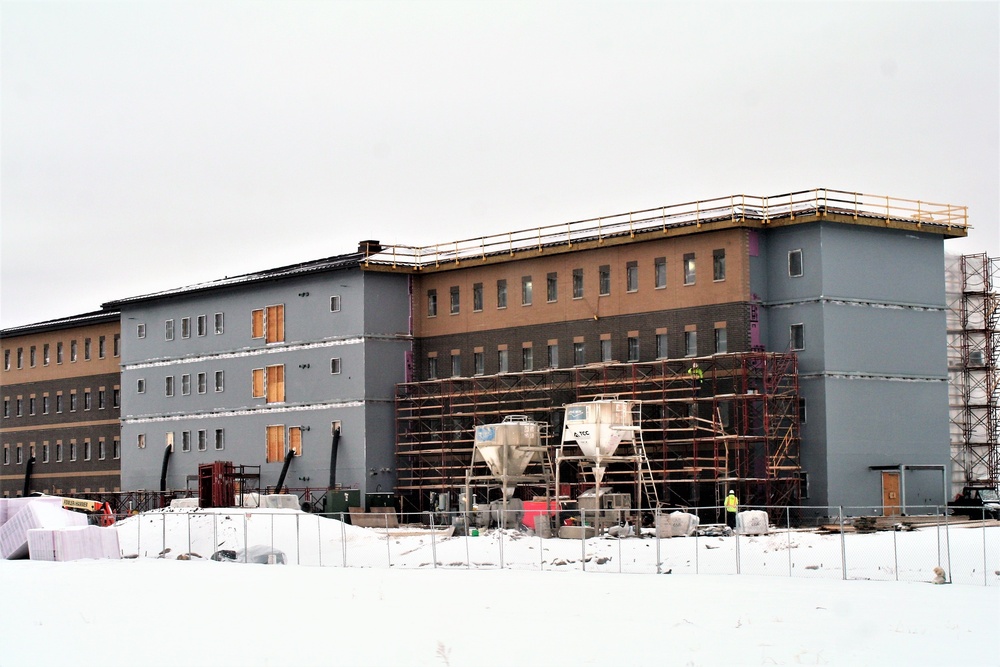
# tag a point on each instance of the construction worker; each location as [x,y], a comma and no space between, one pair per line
[696,373]
[732,507]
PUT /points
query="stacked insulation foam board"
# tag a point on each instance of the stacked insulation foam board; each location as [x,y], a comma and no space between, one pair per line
[752,522]
[73,543]
[33,513]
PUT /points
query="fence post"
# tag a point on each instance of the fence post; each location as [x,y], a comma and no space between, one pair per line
[163,525]
[895,554]
[388,542]
[189,532]
[788,531]
[298,542]
[737,536]
[985,578]
[434,558]
[843,545]
[656,534]
[245,538]
[343,538]
[583,542]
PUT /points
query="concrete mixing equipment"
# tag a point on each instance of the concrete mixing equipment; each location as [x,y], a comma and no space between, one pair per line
[513,453]
[601,429]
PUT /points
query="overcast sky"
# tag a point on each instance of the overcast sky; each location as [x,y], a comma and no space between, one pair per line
[149,145]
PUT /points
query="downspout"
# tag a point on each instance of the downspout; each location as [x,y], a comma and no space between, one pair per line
[27,475]
[163,470]
[333,457]
[284,470]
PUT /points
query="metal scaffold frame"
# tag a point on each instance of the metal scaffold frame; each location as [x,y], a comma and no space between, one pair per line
[973,282]
[734,425]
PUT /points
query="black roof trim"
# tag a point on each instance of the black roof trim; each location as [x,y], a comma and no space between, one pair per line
[94,317]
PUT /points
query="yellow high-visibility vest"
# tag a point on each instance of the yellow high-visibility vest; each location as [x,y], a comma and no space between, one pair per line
[731,503]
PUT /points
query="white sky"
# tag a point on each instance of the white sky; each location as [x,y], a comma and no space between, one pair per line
[149,145]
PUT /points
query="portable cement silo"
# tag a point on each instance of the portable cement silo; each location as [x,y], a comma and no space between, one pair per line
[606,430]
[514,454]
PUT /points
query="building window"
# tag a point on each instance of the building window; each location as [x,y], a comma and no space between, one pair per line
[578,356]
[101,396]
[662,346]
[72,401]
[185,441]
[295,440]
[275,443]
[269,383]
[220,323]
[268,323]
[116,397]
[479,363]
[453,300]
[72,450]
[553,354]
[633,348]
[220,380]
[140,442]
[502,293]
[169,439]
[19,407]
[59,352]
[795,263]
[527,359]
[660,272]
[86,349]
[202,383]
[502,361]
[796,337]
[169,385]
[690,343]
[6,455]
[45,452]
[432,368]
[140,388]
[689,268]
[6,408]
[335,303]
[185,327]
[59,451]
[721,346]
[202,325]
[606,350]
[31,403]
[72,353]
[102,347]
[6,360]
[20,357]
[202,440]
[525,290]
[551,287]
[45,405]
[719,264]
[19,458]
[632,276]
[45,354]
[86,449]
[31,356]
[59,402]
[432,303]
[101,449]
[140,331]
[477,297]
[456,365]
[185,384]
[604,280]
[335,366]
[168,330]
[220,438]
[802,410]
[577,283]
[117,345]
[116,448]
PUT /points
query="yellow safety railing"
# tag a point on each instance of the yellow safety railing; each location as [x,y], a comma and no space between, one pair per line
[731,208]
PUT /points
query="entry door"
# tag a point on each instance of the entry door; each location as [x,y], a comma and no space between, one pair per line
[890,493]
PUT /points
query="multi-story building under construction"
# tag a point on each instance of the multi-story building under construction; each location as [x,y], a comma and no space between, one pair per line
[816,320]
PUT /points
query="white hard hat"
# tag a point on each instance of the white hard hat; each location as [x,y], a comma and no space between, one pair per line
[732,493]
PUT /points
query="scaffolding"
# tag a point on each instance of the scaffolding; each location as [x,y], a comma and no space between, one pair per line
[733,425]
[973,356]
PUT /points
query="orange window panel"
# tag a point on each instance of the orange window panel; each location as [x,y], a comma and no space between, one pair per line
[295,439]
[258,383]
[275,384]
[275,443]
[257,323]
[275,324]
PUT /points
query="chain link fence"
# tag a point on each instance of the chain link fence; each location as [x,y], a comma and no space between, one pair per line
[843,543]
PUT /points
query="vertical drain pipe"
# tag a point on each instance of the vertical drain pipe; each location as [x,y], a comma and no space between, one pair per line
[27,475]
[284,470]
[163,470]
[333,457]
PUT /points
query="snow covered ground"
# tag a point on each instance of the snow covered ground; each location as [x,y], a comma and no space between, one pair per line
[394,607]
